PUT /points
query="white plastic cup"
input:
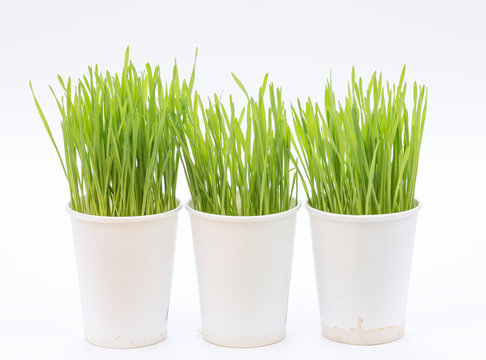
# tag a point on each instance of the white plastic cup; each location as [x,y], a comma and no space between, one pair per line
[125,270]
[362,265]
[243,265]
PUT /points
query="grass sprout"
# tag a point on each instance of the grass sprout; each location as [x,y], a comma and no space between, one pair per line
[361,157]
[120,156]
[238,163]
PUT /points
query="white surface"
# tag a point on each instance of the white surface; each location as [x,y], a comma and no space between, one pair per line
[442,43]
[124,268]
[362,271]
[244,265]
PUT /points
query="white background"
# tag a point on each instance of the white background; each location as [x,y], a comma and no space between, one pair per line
[443,44]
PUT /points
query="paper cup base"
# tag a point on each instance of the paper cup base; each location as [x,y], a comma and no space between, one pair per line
[360,336]
[119,343]
[242,343]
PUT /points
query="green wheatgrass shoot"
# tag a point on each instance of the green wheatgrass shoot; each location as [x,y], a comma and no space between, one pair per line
[238,163]
[362,157]
[120,156]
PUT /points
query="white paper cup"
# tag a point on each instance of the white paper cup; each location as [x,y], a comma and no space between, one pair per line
[362,265]
[125,271]
[244,265]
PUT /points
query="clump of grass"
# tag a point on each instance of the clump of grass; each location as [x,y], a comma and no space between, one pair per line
[362,157]
[238,162]
[120,156]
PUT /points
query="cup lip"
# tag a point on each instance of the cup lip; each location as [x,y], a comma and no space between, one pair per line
[122,219]
[363,218]
[243,218]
